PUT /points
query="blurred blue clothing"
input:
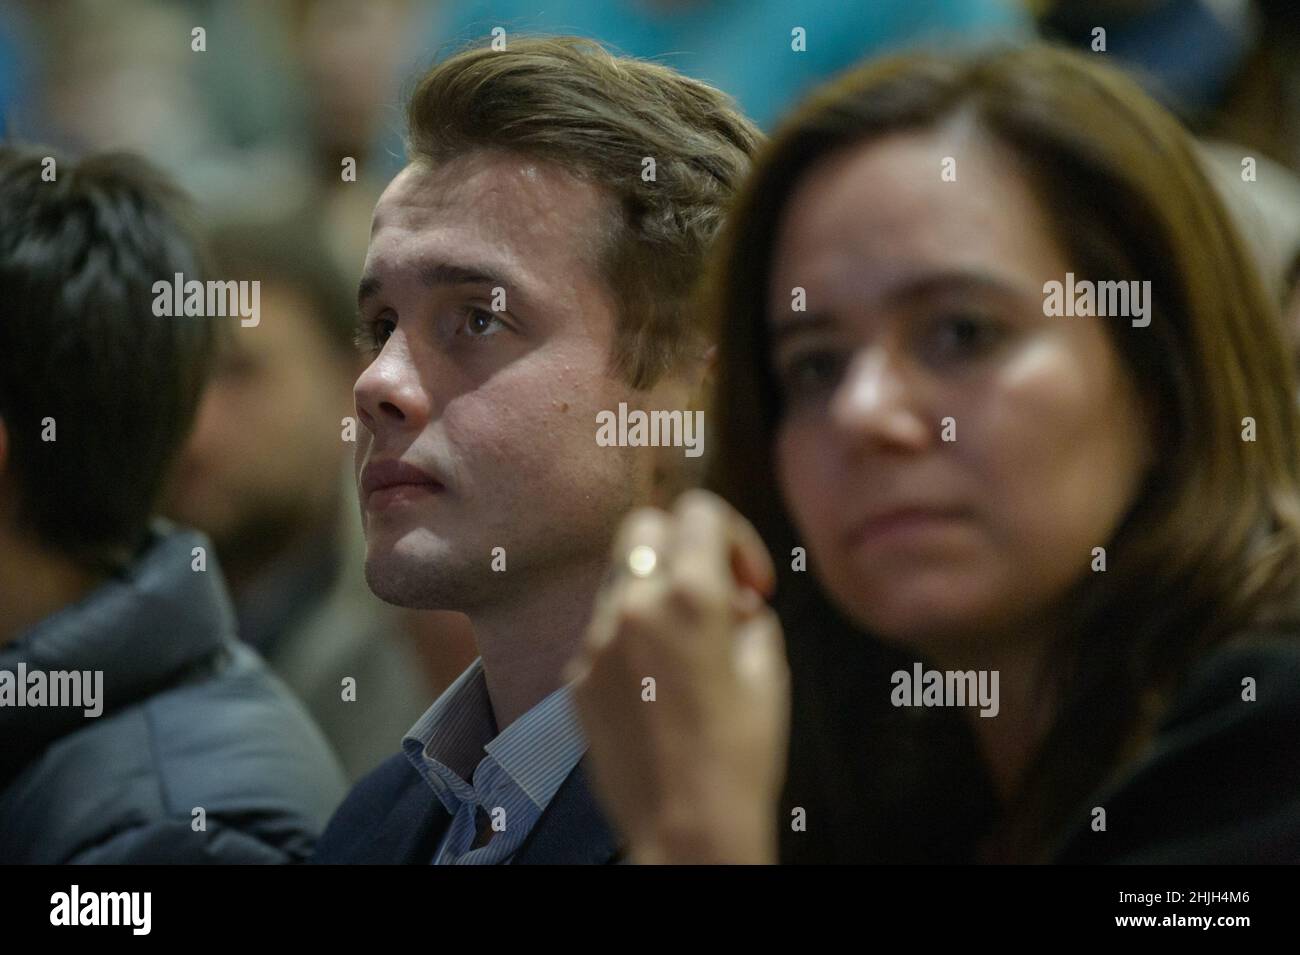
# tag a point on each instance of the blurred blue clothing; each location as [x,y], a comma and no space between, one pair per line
[191,720]
[744,47]
[14,65]
[1184,52]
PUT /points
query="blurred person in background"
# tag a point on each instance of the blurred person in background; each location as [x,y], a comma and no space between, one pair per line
[748,48]
[346,59]
[126,76]
[197,752]
[266,474]
[1111,529]
[15,62]
[1264,199]
[256,124]
[1230,69]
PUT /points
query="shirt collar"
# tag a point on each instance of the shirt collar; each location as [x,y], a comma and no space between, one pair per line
[458,732]
[540,749]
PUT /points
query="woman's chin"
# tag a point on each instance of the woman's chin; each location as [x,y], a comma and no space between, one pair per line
[925,618]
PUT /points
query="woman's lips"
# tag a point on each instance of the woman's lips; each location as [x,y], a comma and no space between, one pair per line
[901,526]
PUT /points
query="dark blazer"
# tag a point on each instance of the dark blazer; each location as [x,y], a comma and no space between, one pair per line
[392,816]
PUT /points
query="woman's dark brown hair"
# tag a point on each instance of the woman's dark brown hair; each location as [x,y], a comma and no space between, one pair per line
[1210,548]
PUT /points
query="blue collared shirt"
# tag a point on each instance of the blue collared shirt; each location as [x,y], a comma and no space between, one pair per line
[509,777]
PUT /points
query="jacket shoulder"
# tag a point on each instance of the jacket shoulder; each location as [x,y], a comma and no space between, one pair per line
[248,747]
[225,766]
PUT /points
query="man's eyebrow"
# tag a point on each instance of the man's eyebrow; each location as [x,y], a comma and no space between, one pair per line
[440,273]
[443,273]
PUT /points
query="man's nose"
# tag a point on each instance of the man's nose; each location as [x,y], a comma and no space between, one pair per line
[877,401]
[389,392]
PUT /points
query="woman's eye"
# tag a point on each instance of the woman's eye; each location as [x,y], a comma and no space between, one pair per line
[810,373]
[958,336]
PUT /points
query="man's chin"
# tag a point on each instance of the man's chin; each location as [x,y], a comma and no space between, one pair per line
[413,581]
[393,587]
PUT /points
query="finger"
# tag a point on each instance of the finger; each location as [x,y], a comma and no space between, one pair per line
[759,650]
[760,663]
[746,603]
[645,527]
[713,542]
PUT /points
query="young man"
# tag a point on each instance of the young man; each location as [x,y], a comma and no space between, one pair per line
[136,728]
[528,273]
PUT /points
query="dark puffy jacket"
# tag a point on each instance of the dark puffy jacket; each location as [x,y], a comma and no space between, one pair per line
[192,719]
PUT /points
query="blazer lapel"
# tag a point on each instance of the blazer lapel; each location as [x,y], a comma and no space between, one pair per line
[411,832]
[572,830]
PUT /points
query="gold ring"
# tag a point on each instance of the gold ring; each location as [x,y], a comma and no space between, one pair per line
[642,560]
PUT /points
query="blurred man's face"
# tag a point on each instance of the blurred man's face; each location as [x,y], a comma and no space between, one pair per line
[263,462]
[496,410]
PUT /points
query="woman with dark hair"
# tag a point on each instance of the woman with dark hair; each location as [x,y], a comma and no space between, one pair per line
[1095,515]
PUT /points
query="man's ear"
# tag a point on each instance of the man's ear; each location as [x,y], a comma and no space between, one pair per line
[687,389]
[704,374]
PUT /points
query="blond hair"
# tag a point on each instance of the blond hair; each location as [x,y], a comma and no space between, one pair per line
[571,102]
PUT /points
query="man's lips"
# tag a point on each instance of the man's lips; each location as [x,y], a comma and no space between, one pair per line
[395,479]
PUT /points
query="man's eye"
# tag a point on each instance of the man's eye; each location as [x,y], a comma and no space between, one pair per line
[372,335]
[480,323]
